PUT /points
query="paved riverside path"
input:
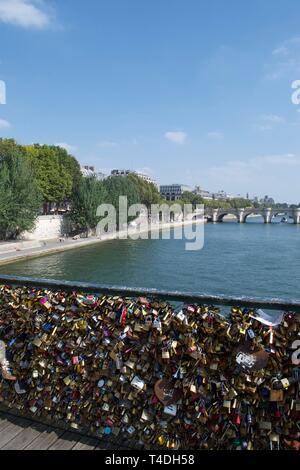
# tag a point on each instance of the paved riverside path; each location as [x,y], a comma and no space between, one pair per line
[48,247]
[18,433]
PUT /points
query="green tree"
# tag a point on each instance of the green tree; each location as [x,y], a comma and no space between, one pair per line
[216,204]
[137,191]
[240,203]
[192,198]
[117,186]
[86,197]
[147,193]
[57,172]
[20,199]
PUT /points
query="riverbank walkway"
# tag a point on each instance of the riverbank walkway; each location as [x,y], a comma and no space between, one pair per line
[43,248]
[18,433]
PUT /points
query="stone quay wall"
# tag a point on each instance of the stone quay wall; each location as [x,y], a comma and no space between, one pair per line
[48,227]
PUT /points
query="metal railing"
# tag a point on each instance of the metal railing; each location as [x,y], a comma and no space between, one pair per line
[186,297]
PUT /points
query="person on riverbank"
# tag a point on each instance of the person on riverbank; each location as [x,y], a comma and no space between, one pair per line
[4,364]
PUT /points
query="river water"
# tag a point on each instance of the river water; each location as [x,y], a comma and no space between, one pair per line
[237,259]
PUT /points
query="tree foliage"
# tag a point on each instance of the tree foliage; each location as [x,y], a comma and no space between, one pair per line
[240,203]
[147,192]
[87,195]
[192,198]
[56,172]
[137,191]
[236,203]
[20,198]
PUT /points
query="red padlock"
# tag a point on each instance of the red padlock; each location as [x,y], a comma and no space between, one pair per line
[237,419]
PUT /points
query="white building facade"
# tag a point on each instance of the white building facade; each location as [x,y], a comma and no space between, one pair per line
[143,176]
[90,171]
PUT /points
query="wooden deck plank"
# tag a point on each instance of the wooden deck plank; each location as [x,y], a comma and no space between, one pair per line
[18,433]
[45,440]
[5,422]
[24,438]
[11,431]
[86,443]
[66,442]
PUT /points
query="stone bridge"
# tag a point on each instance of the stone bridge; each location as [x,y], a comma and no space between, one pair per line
[217,215]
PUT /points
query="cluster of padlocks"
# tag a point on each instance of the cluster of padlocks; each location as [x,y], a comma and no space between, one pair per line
[190,377]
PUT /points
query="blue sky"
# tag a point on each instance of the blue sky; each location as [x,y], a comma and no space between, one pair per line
[190,91]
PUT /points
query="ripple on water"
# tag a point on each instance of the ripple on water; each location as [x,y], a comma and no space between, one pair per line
[252,259]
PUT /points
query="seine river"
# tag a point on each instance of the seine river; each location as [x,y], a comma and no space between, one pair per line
[237,259]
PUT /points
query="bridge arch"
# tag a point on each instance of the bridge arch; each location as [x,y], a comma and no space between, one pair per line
[284,213]
[223,214]
[254,212]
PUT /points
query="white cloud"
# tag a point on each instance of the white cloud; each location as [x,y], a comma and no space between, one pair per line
[268,121]
[272,118]
[69,148]
[285,60]
[247,168]
[281,50]
[215,135]
[266,127]
[288,159]
[25,13]
[276,175]
[107,143]
[178,137]
[4,124]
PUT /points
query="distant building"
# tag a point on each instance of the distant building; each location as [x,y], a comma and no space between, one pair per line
[146,178]
[208,195]
[173,192]
[121,172]
[267,200]
[90,171]
[203,193]
[220,195]
[133,172]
